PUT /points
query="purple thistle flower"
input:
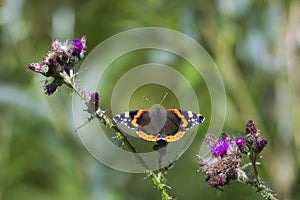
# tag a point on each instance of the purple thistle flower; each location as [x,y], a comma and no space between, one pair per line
[223,165]
[78,46]
[95,98]
[240,141]
[52,60]
[39,68]
[61,50]
[50,88]
[59,62]
[61,54]
[220,146]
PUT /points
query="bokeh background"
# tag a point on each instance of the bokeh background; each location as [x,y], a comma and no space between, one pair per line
[254,43]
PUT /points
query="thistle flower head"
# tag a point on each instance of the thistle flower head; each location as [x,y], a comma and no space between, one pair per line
[259,144]
[39,68]
[220,147]
[79,46]
[50,88]
[255,142]
[222,166]
[240,141]
[59,61]
[251,128]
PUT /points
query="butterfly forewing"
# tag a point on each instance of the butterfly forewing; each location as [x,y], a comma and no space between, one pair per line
[192,118]
[126,118]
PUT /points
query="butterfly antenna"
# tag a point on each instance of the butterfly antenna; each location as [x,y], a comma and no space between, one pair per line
[164,97]
[147,99]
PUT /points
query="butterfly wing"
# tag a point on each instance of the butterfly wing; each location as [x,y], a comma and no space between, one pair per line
[177,122]
[133,119]
[140,121]
[191,118]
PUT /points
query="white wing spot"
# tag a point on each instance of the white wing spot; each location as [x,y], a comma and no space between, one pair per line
[190,114]
[126,114]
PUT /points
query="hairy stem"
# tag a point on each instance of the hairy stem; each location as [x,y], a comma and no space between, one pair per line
[256,182]
[158,180]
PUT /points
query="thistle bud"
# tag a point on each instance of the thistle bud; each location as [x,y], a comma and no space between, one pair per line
[251,128]
[241,143]
[92,102]
[259,144]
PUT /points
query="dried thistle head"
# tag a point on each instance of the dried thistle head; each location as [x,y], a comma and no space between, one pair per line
[61,59]
[222,166]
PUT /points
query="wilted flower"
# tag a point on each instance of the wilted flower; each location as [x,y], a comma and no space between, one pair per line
[216,181]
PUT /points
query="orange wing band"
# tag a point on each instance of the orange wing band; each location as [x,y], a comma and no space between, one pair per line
[177,136]
[184,121]
[138,114]
[146,136]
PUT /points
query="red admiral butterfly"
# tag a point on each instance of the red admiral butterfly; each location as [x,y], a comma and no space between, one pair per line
[159,124]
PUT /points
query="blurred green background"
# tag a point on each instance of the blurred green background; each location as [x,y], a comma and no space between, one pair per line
[255,45]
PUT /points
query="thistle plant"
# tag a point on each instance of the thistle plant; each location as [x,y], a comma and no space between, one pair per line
[224,163]
[58,66]
[227,154]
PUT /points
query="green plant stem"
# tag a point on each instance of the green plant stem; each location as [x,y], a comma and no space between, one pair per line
[265,192]
[158,180]
[102,116]
[256,182]
[252,157]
